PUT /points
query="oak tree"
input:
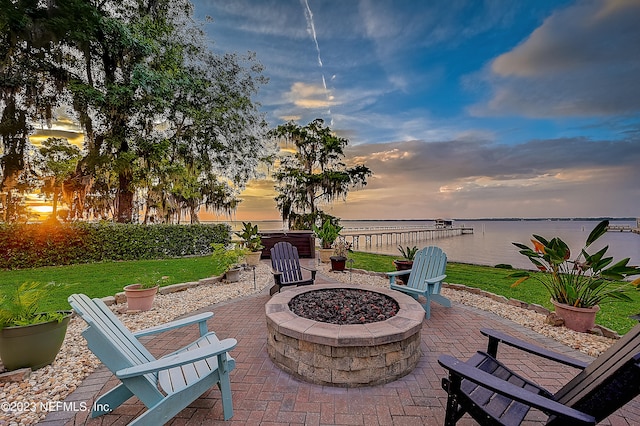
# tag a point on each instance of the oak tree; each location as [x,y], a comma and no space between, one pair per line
[314,174]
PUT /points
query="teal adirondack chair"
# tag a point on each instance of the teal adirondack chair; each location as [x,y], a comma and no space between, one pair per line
[165,385]
[425,277]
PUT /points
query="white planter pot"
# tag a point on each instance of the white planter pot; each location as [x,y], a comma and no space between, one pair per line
[253,258]
[325,255]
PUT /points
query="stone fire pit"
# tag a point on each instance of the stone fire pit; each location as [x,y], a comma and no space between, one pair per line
[349,355]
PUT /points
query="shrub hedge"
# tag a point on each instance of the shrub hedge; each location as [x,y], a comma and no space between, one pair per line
[35,245]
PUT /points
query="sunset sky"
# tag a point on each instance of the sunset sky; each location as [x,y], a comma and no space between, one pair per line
[462,108]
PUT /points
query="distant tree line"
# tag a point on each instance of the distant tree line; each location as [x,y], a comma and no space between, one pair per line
[169,126]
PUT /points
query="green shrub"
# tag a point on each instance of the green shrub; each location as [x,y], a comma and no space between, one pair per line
[35,245]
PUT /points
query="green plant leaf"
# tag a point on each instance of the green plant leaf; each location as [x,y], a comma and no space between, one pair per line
[597,232]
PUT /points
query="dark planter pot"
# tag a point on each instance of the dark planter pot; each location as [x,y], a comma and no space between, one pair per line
[403,265]
[338,263]
[32,346]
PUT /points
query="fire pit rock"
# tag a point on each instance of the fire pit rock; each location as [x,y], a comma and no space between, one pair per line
[349,355]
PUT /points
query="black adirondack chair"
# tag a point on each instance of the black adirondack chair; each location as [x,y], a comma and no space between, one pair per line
[494,395]
[286,268]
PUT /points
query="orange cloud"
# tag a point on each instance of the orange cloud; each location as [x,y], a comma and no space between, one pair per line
[310,96]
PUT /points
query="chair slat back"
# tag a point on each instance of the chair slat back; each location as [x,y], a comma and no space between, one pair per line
[429,262]
[284,258]
[108,338]
[609,381]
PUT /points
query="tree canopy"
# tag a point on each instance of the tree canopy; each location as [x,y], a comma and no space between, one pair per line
[169,126]
[315,174]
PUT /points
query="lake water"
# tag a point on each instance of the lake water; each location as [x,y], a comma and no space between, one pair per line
[491,240]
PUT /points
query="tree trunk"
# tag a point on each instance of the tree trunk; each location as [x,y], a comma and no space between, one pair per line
[54,208]
[193,214]
[124,213]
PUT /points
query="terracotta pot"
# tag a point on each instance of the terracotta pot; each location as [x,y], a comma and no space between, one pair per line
[33,345]
[140,299]
[325,255]
[403,265]
[253,258]
[577,319]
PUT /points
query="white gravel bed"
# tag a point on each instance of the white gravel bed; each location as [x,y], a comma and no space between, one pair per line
[75,362]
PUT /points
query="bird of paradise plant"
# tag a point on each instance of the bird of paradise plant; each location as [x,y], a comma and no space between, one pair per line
[583,282]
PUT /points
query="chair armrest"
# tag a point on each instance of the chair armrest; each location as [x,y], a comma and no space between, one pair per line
[392,275]
[396,273]
[435,280]
[407,289]
[496,337]
[275,272]
[277,276]
[486,380]
[176,360]
[194,319]
[312,270]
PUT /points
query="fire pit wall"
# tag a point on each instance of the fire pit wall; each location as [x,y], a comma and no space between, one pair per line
[344,355]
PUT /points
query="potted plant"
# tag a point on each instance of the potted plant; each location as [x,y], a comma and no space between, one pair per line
[228,260]
[341,250]
[327,235]
[140,296]
[406,263]
[251,241]
[30,337]
[577,287]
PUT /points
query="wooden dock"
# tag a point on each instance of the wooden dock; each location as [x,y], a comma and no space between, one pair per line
[381,236]
[623,228]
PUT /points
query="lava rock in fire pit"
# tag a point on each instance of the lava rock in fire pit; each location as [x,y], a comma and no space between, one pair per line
[344,306]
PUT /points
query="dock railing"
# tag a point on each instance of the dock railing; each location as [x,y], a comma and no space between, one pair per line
[399,234]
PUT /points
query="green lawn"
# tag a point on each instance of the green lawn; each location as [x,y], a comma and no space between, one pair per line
[104,279]
[613,314]
[108,278]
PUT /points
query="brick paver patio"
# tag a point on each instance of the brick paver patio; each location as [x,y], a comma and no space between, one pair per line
[265,395]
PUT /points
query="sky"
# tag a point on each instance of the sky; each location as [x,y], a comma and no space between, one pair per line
[461,108]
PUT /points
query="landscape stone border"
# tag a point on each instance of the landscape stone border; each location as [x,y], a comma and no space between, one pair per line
[120,297]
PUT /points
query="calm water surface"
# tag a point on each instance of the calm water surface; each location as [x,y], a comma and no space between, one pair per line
[490,242]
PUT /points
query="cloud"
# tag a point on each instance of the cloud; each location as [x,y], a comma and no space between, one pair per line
[470,178]
[309,96]
[401,34]
[582,61]
[266,18]
[466,178]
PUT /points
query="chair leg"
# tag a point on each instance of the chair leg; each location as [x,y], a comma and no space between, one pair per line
[427,305]
[453,411]
[225,390]
[441,300]
[111,400]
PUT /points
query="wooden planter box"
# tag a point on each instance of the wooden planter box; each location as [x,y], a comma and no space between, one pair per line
[304,241]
